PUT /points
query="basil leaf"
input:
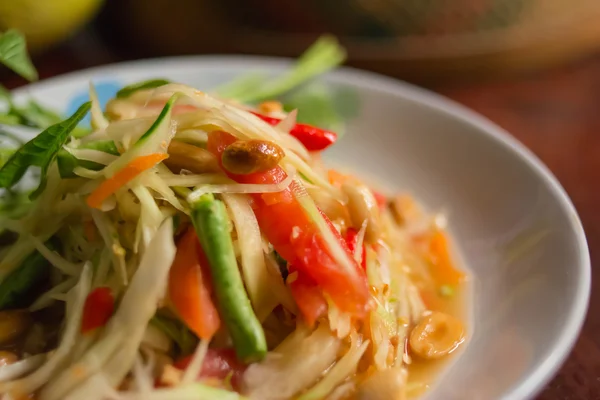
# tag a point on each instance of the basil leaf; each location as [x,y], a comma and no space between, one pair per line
[178,332]
[40,151]
[14,288]
[149,84]
[13,54]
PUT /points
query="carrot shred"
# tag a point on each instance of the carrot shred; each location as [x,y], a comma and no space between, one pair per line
[122,177]
[445,272]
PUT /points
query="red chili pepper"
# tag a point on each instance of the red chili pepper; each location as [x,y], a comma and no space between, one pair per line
[313,138]
[351,239]
[98,309]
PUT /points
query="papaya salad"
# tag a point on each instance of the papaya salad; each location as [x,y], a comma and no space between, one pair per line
[194,245]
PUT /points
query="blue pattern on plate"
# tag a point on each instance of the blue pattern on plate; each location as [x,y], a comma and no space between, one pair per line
[106,90]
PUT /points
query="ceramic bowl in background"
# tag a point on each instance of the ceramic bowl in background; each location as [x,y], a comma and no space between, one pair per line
[515,227]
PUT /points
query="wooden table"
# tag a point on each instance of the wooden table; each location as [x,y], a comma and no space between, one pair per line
[557,115]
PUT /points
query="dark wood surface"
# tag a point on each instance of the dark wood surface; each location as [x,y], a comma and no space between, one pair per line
[555,113]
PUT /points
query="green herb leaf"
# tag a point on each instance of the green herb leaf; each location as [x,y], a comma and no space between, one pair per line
[14,288]
[13,54]
[179,333]
[67,161]
[32,114]
[35,115]
[324,55]
[5,155]
[323,106]
[40,151]
[149,84]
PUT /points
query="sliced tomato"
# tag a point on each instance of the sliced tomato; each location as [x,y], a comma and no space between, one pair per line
[296,237]
[99,307]
[308,296]
[189,288]
[219,364]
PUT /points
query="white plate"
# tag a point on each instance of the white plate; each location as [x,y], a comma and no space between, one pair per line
[514,224]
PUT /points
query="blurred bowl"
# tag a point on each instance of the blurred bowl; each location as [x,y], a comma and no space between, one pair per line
[414,39]
[513,223]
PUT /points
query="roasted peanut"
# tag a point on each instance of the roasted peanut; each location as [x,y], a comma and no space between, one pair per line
[363,207]
[436,335]
[183,156]
[250,156]
[13,323]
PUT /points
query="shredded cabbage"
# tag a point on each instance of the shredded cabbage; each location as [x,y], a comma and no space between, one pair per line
[342,369]
[193,370]
[99,121]
[294,365]
[20,368]
[239,188]
[29,384]
[253,265]
[124,332]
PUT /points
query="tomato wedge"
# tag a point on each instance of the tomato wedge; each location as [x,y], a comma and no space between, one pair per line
[189,288]
[308,296]
[296,237]
[218,363]
[98,309]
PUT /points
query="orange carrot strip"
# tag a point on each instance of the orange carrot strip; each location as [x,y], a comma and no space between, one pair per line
[131,170]
[445,272]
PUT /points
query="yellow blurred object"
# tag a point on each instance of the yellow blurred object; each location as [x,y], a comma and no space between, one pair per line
[46,22]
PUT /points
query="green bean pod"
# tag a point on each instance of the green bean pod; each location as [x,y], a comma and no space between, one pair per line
[211,223]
